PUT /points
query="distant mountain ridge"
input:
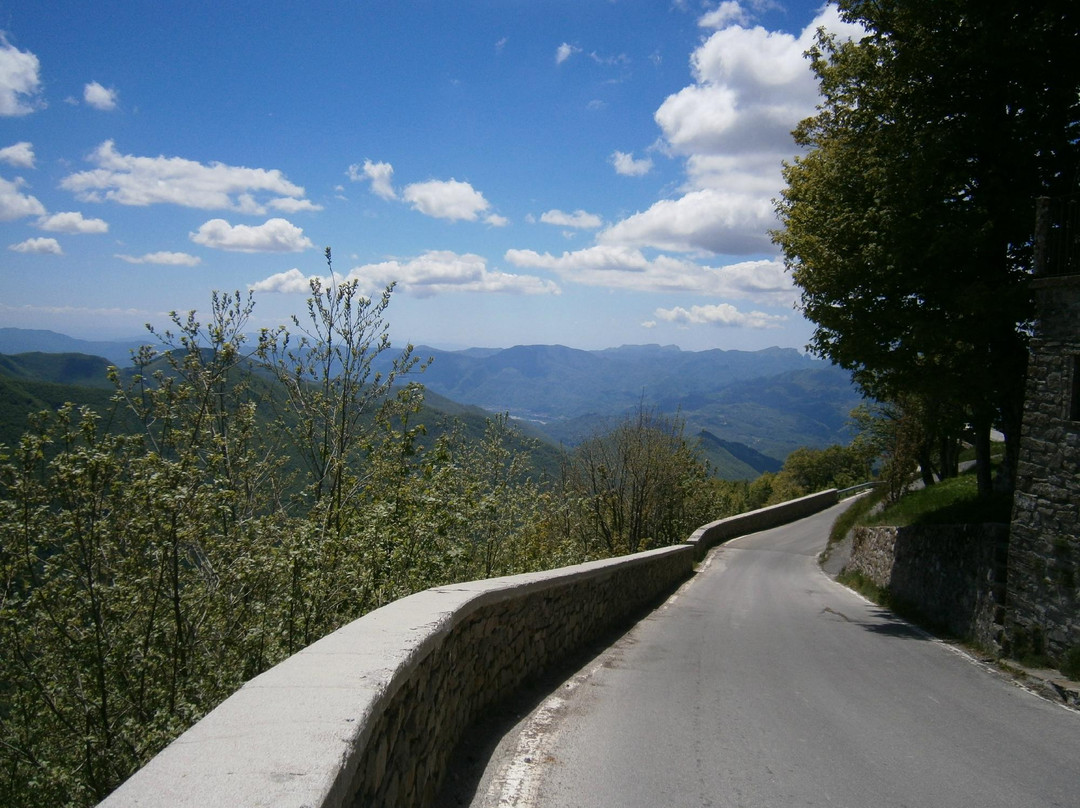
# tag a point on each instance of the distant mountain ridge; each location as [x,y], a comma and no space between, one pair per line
[767,402]
[30,340]
[749,409]
[553,382]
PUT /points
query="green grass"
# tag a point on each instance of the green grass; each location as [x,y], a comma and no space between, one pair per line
[861,583]
[856,514]
[954,501]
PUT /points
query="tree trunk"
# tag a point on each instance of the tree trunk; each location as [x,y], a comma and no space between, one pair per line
[983,472]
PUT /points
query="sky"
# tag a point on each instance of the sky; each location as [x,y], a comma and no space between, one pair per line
[589,173]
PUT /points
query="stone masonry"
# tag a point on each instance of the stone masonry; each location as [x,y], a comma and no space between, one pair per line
[949,575]
[1044,555]
[369,715]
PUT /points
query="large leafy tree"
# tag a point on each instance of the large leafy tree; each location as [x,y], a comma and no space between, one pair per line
[909,220]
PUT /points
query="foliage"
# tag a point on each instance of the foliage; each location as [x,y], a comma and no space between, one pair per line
[950,502]
[639,486]
[908,222]
[331,387]
[164,549]
[855,514]
[807,471]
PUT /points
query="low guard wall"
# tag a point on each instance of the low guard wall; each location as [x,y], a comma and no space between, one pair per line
[722,530]
[369,715]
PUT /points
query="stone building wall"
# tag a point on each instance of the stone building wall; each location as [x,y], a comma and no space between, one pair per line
[1044,556]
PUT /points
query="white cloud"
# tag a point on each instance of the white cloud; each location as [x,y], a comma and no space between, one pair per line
[565,51]
[72,222]
[14,204]
[446,199]
[708,220]
[287,204]
[291,282]
[20,81]
[131,180]
[99,97]
[20,155]
[176,259]
[619,60]
[626,165]
[733,127]
[275,235]
[433,272]
[381,176]
[621,267]
[495,220]
[721,314]
[38,246]
[724,15]
[579,219]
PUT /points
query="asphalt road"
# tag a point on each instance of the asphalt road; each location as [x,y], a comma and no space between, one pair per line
[764,683]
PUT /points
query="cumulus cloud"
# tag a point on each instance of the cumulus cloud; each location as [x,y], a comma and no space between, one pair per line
[621,267]
[446,199]
[131,180]
[275,235]
[38,246]
[20,80]
[176,259]
[381,176]
[440,199]
[433,272]
[14,204]
[721,314]
[733,128]
[287,204]
[724,15]
[708,220]
[72,222]
[579,219]
[626,165]
[20,155]
[564,52]
[99,97]
[292,281]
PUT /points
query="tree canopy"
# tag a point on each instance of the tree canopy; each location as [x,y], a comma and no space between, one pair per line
[908,221]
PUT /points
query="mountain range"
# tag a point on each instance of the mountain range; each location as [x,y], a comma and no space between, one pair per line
[749,409]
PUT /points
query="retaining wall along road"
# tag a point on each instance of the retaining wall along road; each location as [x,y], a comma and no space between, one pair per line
[953,575]
[368,715]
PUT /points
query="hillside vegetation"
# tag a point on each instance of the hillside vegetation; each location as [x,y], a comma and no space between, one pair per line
[228,501]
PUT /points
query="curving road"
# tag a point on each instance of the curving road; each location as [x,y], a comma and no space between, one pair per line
[764,683]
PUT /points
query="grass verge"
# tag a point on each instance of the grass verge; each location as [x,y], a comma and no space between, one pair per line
[954,501]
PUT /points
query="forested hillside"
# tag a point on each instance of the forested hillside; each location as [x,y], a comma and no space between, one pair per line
[761,405]
[226,502]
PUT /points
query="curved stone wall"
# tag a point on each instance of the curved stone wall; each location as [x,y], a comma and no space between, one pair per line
[369,715]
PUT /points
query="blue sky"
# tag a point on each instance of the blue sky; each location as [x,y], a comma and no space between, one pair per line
[590,173]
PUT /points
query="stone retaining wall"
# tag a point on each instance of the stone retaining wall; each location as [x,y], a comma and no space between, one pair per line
[953,575]
[369,715]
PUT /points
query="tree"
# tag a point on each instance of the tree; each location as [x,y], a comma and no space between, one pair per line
[333,386]
[908,224]
[807,471]
[642,485]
